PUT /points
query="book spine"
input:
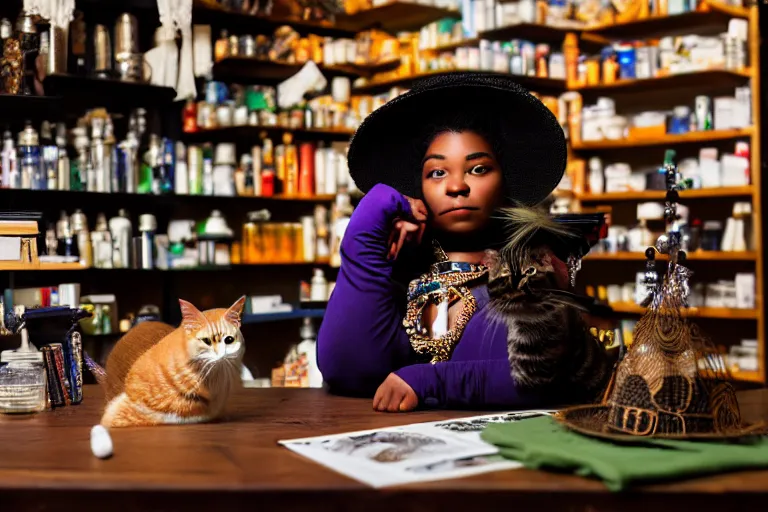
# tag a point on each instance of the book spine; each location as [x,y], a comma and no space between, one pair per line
[75,365]
[55,393]
[61,373]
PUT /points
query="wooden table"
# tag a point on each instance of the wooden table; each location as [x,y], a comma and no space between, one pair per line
[46,464]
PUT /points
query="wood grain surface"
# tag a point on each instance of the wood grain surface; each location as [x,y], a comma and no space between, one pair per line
[46,464]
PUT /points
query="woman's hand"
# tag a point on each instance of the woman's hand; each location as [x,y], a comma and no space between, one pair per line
[395,395]
[404,231]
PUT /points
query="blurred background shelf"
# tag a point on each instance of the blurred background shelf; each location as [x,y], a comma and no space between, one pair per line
[533,83]
[112,94]
[208,12]
[651,195]
[34,198]
[711,78]
[667,140]
[394,17]
[720,313]
[251,134]
[296,314]
[267,72]
[698,255]
[690,22]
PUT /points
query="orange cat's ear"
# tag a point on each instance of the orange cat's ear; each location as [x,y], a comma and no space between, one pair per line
[235,312]
[191,318]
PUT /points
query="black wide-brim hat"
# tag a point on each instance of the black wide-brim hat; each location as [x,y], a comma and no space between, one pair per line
[388,146]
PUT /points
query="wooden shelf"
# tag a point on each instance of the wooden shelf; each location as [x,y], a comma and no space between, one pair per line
[721,313]
[530,82]
[687,23]
[30,107]
[112,94]
[667,140]
[650,195]
[697,256]
[296,314]
[746,376]
[65,199]
[209,13]
[13,267]
[250,134]
[17,266]
[375,67]
[251,69]
[453,45]
[707,78]
[394,17]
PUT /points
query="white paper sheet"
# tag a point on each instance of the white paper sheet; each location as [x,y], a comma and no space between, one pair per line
[411,453]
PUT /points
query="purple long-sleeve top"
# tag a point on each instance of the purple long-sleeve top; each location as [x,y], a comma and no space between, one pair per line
[362,338]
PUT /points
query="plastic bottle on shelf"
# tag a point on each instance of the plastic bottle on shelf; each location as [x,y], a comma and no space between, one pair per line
[319,287]
[308,348]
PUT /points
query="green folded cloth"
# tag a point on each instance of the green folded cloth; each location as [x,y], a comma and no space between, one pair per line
[542,443]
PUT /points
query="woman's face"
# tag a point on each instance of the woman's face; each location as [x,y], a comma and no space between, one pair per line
[461,182]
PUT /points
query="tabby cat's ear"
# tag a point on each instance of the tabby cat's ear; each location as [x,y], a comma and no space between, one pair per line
[191,318]
[235,312]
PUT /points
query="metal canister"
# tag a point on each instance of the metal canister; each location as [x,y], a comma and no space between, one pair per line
[248,46]
[195,164]
[79,224]
[147,229]
[102,49]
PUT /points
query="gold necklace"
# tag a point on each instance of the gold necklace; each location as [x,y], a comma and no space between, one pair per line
[446,281]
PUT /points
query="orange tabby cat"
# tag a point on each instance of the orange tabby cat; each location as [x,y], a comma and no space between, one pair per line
[185,377]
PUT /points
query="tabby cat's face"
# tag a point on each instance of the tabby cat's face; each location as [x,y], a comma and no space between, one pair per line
[213,335]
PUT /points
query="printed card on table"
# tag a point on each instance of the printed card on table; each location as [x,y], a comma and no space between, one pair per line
[411,453]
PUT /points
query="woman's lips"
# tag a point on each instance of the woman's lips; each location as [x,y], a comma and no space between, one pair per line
[461,210]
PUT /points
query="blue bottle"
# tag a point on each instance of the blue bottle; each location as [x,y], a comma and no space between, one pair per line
[30,162]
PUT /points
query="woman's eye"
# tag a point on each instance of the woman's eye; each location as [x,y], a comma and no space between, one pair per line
[437,173]
[229,339]
[479,169]
[207,341]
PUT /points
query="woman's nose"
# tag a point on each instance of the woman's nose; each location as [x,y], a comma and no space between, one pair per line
[457,185]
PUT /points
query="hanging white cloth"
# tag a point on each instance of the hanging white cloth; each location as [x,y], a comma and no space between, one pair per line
[177,15]
[58,12]
[163,58]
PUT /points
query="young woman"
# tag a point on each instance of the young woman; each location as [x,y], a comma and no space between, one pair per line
[436,164]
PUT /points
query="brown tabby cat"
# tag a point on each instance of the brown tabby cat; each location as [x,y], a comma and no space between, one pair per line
[176,377]
[548,340]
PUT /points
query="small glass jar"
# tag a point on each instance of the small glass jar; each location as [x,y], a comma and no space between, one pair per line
[22,388]
[269,243]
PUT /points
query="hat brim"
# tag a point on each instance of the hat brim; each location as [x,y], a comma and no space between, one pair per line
[385,148]
[584,419]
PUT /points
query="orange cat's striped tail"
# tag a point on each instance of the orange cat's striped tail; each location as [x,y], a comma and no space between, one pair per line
[101,441]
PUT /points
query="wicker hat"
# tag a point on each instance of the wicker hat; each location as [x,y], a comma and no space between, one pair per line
[389,145]
[669,385]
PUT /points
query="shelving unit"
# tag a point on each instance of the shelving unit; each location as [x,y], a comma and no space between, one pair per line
[695,256]
[394,17]
[717,15]
[532,82]
[667,140]
[658,195]
[267,72]
[248,134]
[712,77]
[68,92]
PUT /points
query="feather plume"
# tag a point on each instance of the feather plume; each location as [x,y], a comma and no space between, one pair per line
[525,227]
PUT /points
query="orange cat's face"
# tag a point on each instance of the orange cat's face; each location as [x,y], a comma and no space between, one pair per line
[214,335]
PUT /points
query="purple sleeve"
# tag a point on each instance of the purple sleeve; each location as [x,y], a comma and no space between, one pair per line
[362,339]
[466,384]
